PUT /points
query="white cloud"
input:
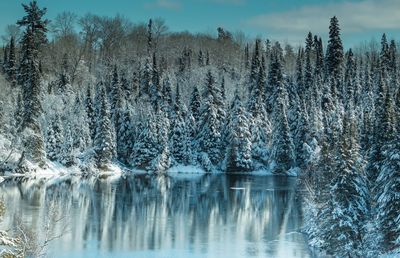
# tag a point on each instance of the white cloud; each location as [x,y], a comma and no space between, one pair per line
[359,16]
[164,4]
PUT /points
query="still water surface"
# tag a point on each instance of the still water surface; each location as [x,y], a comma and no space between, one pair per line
[147,216]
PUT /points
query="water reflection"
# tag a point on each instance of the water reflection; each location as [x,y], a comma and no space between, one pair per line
[146,216]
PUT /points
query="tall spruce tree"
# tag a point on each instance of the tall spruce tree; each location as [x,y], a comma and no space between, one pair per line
[387,184]
[33,38]
[334,51]
[181,137]
[210,123]
[347,203]
[238,153]
[282,147]
[103,141]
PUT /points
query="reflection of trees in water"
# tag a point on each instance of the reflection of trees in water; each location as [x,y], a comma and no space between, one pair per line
[144,212]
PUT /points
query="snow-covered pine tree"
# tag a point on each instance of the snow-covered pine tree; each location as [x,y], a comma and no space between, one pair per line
[67,150]
[379,137]
[299,73]
[308,70]
[195,102]
[79,126]
[90,113]
[167,103]
[145,148]
[155,87]
[347,202]
[300,133]
[55,139]
[282,147]
[162,160]
[348,92]
[149,37]
[19,112]
[116,96]
[384,54]
[238,152]
[255,66]
[259,122]
[334,51]
[387,183]
[181,137]
[103,141]
[146,79]
[33,37]
[210,123]
[135,85]
[126,87]
[124,135]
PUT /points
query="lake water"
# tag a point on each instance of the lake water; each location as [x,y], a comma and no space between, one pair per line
[148,216]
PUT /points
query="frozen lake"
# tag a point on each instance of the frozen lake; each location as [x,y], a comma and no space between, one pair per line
[148,216]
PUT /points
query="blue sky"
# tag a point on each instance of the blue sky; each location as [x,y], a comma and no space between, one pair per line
[285,20]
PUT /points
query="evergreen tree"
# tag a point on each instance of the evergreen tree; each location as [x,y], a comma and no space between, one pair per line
[150,36]
[379,137]
[210,124]
[387,185]
[67,150]
[239,153]
[181,138]
[90,112]
[116,97]
[259,122]
[145,149]
[19,112]
[195,103]
[300,135]
[12,63]
[124,135]
[5,59]
[255,66]
[347,205]
[151,150]
[282,146]
[349,92]
[146,79]
[308,69]
[384,54]
[155,88]
[167,97]
[334,51]
[55,139]
[299,73]
[126,88]
[103,139]
[32,40]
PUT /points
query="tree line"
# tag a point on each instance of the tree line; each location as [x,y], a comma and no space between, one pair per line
[331,115]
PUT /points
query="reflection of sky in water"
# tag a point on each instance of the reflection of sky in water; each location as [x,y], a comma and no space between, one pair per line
[144,216]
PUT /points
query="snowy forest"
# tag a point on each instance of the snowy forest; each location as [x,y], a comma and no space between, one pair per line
[93,93]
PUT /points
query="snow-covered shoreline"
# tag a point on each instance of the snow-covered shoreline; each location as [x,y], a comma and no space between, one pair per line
[56,170]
